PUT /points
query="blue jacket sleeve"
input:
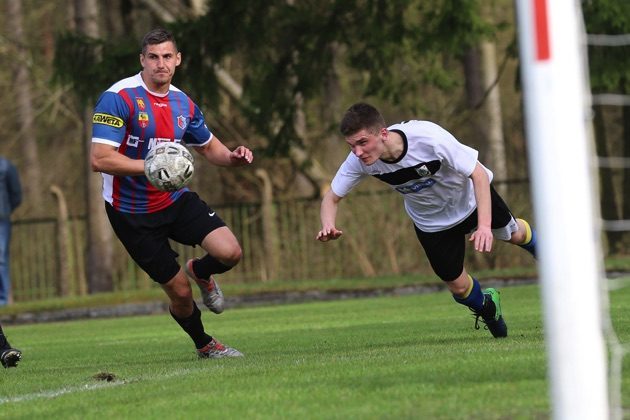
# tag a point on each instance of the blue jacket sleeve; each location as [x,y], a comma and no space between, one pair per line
[15,189]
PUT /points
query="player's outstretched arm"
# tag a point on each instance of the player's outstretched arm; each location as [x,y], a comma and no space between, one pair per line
[217,153]
[105,158]
[328,216]
[482,237]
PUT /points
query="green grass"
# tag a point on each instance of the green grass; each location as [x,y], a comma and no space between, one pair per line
[155,293]
[390,357]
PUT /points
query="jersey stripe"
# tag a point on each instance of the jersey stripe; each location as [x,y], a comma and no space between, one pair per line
[148,119]
[417,171]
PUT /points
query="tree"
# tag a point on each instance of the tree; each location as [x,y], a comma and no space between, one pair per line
[26,114]
[284,48]
[99,251]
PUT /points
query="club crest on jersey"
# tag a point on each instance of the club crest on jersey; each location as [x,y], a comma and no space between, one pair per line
[181,122]
[423,171]
[140,103]
[143,119]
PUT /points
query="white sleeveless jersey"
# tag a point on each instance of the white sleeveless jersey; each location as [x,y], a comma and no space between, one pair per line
[432,174]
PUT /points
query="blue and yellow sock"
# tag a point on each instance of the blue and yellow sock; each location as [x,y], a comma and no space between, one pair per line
[473,298]
[529,244]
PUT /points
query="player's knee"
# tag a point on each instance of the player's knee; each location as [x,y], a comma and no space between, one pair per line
[520,236]
[457,289]
[178,290]
[181,295]
[459,285]
[234,256]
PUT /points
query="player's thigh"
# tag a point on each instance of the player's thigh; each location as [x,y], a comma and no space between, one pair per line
[146,240]
[503,223]
[194,220]
[445,251]
[222,244]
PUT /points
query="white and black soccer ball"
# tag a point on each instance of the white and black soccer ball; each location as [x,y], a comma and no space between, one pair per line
[169,166]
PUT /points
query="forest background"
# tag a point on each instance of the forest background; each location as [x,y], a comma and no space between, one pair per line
[277,75]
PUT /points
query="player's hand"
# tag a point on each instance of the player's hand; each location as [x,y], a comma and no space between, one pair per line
[241,156]
[328,234]
[482,239]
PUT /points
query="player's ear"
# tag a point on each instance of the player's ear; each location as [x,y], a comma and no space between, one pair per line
[142,60]
[179,58]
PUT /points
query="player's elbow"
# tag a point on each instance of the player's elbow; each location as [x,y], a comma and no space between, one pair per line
[96,164]
[101,157]
[330,198]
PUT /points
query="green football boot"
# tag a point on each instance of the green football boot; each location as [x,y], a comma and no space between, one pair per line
[491,314]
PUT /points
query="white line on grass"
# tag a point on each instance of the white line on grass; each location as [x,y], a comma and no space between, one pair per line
[59,392]
[89,387]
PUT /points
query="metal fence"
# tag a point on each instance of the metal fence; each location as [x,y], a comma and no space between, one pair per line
[378,240]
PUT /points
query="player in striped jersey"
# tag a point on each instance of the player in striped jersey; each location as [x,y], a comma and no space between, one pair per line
[446,192]
[129,119]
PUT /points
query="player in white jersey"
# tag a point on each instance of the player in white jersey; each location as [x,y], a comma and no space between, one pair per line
[447,195]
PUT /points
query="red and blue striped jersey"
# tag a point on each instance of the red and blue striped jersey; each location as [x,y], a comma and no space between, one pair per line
[133,119]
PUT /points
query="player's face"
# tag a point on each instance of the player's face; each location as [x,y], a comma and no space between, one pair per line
[158,64]
[367,145]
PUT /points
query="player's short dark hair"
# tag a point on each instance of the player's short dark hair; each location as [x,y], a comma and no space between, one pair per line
[361,116]
[157,36]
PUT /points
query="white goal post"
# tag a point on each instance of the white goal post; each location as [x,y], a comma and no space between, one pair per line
[563,173]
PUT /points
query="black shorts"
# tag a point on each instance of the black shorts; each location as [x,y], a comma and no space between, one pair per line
[446,249]
[145,235]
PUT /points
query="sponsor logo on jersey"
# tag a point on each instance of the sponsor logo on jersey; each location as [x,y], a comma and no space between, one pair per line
[107,119]
[140,103]
[416,186]
[181,122]
[132,141]
[160,104]
[155,140]
[143,119]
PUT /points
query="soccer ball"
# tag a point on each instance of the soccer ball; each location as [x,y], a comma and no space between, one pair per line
[169,166]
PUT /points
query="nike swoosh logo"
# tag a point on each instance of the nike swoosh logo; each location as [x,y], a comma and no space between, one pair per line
[211,214]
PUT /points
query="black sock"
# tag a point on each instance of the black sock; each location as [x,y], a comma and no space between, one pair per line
[194,327]
[4,344]
[207,266]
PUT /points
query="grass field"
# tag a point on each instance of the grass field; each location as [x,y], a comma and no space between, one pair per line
[391,357]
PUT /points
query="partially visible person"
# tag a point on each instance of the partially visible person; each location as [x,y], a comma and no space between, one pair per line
[9,357]
[10,199]
[447,194]
[130,118]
